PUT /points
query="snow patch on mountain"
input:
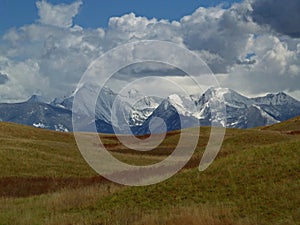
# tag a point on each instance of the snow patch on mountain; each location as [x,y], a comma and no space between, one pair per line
[270,120]
[61,128]
[40,125]
[184,105]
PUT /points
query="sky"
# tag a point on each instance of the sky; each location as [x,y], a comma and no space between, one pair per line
[96,13]
[252,46]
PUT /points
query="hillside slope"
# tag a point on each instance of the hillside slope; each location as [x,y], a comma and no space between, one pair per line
[292,125]
[254,180]
[34,152]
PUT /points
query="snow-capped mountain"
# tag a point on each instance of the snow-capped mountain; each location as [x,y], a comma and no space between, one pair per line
[136,112]
[241,112]
[279,106]
[36,113]
[142,109]
[275,99]
[132,108]
[177,112]
[141,106]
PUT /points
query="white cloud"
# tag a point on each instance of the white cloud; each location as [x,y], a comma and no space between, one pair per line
[57,15]
[62,56]
[24,76]
[52,54]
[130,27]
[276,68]
[222,33]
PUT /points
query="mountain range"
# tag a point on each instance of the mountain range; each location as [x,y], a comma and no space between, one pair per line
[138,113]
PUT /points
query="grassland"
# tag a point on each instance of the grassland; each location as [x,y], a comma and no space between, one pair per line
[254,180]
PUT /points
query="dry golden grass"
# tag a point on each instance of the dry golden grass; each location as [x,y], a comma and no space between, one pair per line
[69,199]
[196,215]
[51,208]
[254,180]
[286,126]
[30,186]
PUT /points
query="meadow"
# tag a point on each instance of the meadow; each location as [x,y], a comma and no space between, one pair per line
[254,180]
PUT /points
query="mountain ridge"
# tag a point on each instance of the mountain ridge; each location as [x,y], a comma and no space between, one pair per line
[134,111]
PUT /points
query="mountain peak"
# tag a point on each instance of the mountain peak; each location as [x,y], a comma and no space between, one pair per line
[183,104]
[279,94]
[282,93]
[230,97]
[36,99]
[219,90]
[175,98]
[280,98]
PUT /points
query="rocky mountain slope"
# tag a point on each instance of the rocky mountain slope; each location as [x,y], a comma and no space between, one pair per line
[135,112]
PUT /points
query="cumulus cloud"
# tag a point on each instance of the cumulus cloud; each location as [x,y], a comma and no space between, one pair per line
[223,33]
[51,54]
[57,15]
[276,69]
[130,27]
[24,80]
[60,57]
[282,16]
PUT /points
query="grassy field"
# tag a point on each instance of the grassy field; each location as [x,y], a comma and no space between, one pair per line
[254,180]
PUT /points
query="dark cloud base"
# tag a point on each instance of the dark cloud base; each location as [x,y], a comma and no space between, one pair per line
[282,16]
[3,78]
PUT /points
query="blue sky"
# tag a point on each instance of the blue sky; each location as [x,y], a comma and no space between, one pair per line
[96,13]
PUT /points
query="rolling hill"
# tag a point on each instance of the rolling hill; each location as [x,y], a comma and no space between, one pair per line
[254,180]
[292,126]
